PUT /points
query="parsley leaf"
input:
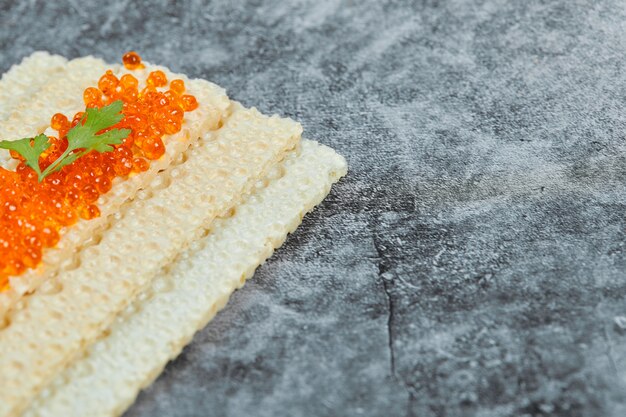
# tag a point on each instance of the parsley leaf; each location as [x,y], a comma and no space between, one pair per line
[82,139]
[29,148]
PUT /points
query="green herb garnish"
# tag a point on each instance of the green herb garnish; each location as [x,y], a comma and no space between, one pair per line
[82,139]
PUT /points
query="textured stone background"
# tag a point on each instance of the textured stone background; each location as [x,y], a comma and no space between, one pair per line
[471,264]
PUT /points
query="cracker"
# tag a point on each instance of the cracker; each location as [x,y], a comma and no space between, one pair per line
[53,328]
[24,80]
[178,303]
[64,94]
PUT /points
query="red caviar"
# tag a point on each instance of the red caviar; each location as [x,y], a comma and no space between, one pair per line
[32,213]
[132,60]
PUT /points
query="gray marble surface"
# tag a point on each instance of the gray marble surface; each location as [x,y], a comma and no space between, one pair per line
[471,264]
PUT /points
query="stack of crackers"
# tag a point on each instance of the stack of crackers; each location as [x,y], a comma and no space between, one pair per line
[120,295]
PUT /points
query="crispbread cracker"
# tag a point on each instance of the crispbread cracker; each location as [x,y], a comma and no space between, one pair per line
[137,347]
[22,81]
[64,94]
[52,329]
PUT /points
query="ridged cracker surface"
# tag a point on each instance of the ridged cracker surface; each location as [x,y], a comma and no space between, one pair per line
[52,329]
[62,92]
[18,83]
[137,346]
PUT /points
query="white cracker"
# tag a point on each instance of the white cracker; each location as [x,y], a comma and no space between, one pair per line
[22,81]
[64,94]
[137,346]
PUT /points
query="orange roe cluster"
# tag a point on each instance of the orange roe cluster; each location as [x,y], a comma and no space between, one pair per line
[33,213]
